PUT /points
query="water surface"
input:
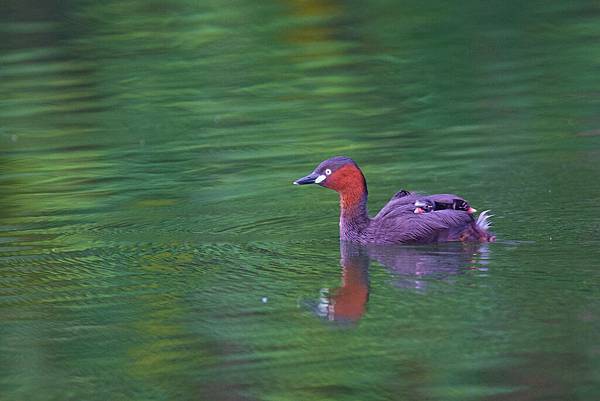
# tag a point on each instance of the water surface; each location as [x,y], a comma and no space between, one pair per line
[152,246]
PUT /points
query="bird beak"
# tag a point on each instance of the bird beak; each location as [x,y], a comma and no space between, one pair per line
[309,179]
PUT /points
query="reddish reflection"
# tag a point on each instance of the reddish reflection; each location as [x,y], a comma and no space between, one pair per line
[348,302]
[412,266]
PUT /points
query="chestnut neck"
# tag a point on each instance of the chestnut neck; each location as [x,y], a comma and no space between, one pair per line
[350,183]
[354,217]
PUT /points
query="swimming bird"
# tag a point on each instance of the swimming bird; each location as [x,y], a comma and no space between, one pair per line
[396,222]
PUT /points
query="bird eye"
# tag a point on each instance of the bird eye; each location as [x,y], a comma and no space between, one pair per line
[327,172]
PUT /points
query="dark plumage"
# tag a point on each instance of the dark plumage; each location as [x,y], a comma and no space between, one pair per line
[441,202]
[396,222]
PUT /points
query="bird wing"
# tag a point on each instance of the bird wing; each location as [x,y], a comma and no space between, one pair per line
[397,222]
[397,203]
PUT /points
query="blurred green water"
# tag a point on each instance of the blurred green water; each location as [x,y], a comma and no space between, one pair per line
[152,247]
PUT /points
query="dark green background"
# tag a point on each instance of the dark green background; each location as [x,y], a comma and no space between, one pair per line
[147,150]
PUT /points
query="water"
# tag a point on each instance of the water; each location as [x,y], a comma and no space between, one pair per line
[152,246]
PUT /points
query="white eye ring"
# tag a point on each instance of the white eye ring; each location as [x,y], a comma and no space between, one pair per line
[327,172]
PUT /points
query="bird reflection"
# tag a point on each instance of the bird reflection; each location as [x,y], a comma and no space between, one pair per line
[412,267]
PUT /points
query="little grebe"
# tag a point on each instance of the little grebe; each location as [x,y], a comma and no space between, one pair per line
[448,218]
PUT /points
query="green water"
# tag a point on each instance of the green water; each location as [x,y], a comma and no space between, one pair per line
[152,246]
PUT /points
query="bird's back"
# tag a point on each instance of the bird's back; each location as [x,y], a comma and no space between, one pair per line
[397,222]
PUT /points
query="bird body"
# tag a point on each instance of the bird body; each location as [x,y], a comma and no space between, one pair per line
[397,222]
